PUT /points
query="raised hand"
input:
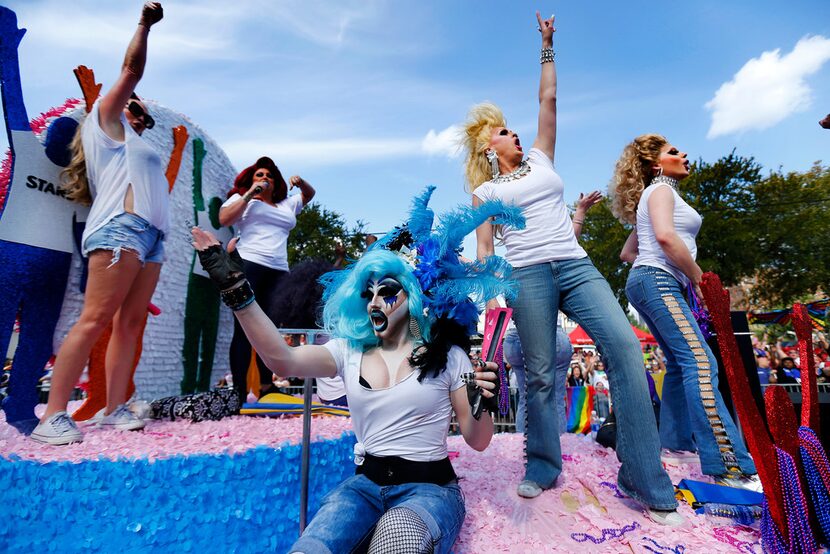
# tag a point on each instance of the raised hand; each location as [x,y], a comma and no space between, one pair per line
[151,13]
[585,203]
[546,28]
[225,268]
[295,181]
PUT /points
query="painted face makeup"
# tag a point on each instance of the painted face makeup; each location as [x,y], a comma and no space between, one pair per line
[674,163]
[387,305]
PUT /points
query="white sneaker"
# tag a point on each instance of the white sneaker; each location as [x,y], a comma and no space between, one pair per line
[663,517]
[58,429]
[96,419]
[748,482]
[528,489]
[678,457]
[122,419]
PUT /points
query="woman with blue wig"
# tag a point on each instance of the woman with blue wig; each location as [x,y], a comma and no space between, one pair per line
[400,318]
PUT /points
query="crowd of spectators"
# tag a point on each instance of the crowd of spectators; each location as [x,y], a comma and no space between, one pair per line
[779,362]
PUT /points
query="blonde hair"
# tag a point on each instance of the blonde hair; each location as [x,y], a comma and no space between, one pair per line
[73,179]
[478,130]
[632,174]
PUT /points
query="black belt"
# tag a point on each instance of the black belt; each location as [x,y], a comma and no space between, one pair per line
[393,470]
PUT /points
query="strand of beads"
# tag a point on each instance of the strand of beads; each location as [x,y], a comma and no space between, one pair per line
[613,487]
[679,549]
[608,533]
[817,470]
[504,384]
[770,535]
[801,539]
[724,535]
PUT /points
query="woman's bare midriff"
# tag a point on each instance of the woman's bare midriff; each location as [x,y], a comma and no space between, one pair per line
[129,200]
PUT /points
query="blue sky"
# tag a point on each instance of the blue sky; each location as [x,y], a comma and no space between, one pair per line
[357,96]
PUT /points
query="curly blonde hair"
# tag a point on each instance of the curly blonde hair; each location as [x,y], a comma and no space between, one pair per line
[73,179]
[632,174]
[478,129]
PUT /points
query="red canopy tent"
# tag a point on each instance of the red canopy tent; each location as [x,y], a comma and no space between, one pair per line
[579,337]
[645,338]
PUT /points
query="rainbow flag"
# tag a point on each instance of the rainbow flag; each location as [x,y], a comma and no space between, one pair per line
[818,310]
[580,402]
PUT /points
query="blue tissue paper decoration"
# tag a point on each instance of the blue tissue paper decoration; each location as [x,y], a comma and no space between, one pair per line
[247,502]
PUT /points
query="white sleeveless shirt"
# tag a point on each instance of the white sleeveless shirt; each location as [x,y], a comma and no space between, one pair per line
[686,224]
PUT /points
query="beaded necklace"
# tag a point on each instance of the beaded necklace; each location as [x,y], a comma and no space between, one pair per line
[800,539]
[518,173]
[817,470]
[662,179]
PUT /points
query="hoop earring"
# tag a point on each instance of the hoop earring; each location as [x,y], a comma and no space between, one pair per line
[493,158]
[414,327]
[659,171]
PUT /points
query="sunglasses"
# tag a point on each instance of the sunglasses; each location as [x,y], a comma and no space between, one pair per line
[136,109]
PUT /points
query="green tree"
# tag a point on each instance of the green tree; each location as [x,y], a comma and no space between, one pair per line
[724,195]
[318,232]
[792,218]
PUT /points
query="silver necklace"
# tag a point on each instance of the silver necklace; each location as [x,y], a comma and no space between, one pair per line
[662,179]
[518,173]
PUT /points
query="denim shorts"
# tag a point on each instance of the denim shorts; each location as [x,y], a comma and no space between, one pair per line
[347,517]
[131,232]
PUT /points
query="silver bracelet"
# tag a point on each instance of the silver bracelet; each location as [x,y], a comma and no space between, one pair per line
[546,55]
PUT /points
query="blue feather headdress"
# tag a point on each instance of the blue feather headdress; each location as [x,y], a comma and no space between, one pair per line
[453,289]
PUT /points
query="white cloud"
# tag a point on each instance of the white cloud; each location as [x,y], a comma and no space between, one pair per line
[443,143]
[305,148]
[322,152]
[768,89]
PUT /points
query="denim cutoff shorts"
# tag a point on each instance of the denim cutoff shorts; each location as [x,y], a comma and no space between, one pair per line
[128,231]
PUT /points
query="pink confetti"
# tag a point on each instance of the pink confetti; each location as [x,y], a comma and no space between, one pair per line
[164,439]
[499,521]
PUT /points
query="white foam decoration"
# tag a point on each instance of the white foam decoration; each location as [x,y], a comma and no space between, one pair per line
[160,370]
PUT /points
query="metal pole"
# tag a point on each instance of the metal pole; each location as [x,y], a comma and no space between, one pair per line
[306,450]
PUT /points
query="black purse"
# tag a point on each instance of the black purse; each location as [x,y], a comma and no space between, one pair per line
[212,405]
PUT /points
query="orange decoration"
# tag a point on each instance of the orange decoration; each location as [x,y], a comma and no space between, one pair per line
[91,90]
[179,141]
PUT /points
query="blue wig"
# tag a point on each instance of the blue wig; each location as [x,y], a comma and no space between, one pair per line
[344,311]
[445,294]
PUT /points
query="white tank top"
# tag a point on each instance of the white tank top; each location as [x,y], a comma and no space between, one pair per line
[686,224]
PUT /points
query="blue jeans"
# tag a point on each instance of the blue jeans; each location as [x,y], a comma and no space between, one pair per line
[349,513]
[515,357]
[692,414]
[579,290]
[131,232]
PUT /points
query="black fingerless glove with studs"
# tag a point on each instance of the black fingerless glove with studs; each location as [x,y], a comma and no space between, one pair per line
[478,403]
[226,271]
